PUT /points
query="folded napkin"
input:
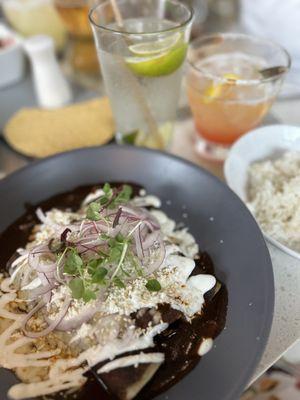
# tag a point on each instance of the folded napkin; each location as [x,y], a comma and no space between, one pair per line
[40,133]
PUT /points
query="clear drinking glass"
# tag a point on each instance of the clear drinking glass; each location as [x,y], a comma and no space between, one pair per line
[232,81]
[80,61]
[142,58]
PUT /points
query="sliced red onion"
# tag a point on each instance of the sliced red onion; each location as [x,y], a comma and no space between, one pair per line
[160,258]
[18,260]
[141,241]
[76,321]
[52,325]
[40,291]
[35,309]
[92,240]
[46,268]
[138,243]
[87,250]
[141,214]
[117,217]
[150,239]
[33,255]
[101,225]
[44,278]
[64,235]
[47,297]
[96,227]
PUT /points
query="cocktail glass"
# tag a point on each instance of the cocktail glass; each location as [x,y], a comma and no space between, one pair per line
[232,81]
[142,59]
[81,62]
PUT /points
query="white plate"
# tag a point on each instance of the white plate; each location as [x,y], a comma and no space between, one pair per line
[262,143]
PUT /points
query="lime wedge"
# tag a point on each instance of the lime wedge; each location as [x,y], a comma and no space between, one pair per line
[130,137]
[159,46]
[215,91]
[164,63]
[146,140]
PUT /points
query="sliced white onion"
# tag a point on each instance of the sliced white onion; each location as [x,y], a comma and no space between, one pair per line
[52,325]
[41,216]
[74,322]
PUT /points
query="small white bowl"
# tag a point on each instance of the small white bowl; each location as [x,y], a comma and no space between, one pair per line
[260,144]
[12,63]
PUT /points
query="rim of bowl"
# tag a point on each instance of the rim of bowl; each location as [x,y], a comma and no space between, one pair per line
[186,22]
[223,36]
[279,245]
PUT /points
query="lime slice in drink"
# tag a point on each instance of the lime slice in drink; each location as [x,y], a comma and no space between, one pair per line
[215,91]
[160,46]
[158,65]
[130,137]
[150,140]
[152,62]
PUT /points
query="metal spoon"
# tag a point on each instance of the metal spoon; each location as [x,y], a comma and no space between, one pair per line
[271,72]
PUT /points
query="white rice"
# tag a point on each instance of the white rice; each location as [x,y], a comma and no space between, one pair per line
[274,197]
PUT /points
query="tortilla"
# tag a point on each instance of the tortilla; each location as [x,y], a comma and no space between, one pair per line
[41,133]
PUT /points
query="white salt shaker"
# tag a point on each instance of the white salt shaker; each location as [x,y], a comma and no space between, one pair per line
[52,88]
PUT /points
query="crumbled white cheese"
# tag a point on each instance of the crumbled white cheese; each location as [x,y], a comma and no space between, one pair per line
[186,297]
[55,219]
[85,330]
[147,201]
[167,225]
[185,241]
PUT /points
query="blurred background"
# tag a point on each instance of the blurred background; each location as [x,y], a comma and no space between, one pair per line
[67,23]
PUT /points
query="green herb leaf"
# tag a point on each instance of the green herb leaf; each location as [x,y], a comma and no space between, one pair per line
[153,285]
[99,275]
[77,288]
[73,263]
[89,295]
[115,254]
[92,265]
[120,284]
[130,137]
[108,200]
[107,189]
[93,211]
[104,236]
[102,254]
[103,200]
[122,197]
[120,238]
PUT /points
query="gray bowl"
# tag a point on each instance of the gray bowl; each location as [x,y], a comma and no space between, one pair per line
[217,218]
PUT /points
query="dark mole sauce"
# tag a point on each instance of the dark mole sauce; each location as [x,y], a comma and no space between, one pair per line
[180,342]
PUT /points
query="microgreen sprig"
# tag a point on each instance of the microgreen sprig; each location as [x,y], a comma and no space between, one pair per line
[111,199]
[115,261]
